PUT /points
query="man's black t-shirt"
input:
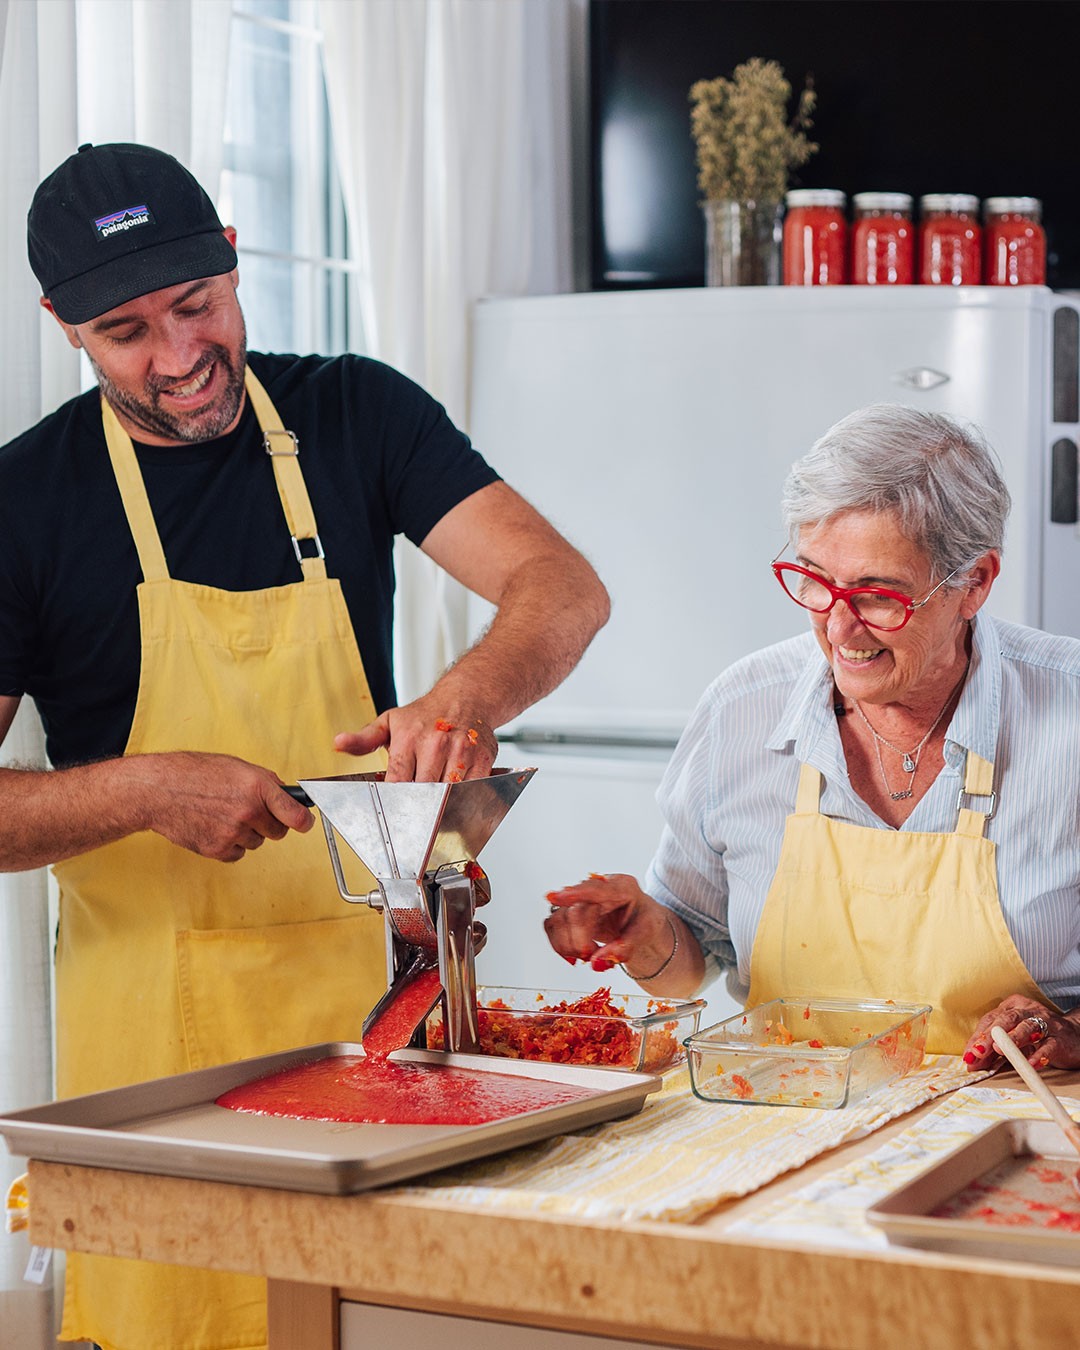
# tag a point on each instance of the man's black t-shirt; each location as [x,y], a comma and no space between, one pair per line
[379,456]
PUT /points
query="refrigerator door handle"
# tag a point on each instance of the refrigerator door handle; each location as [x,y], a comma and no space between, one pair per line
[1066,365]
[921,377]
[568,737]
[1064,482]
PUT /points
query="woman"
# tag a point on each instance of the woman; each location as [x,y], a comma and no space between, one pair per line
[888,806]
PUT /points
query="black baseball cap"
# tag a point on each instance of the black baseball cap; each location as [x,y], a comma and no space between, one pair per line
[114,222]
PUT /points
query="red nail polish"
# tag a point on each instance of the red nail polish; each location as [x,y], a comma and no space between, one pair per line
[980,1049]
[969,1058]
[601,965]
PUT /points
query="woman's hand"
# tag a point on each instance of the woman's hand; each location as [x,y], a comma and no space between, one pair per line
[1024,1019]
[609,921]
[604,920]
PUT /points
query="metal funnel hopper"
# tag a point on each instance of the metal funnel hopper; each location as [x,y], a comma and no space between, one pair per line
[406,834]
[407,829]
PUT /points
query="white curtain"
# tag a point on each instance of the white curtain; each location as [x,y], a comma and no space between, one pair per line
[73,71]
[37,128]
[451,125]
[153,71]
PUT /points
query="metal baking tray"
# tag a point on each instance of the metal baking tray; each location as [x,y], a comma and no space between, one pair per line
[172,1127]
[907,1215]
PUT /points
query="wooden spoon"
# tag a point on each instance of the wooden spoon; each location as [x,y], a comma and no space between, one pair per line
[1049,1099]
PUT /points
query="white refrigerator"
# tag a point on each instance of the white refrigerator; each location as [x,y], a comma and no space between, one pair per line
[655,428]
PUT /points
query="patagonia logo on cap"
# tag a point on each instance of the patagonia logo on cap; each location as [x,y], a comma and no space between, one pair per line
[127,219]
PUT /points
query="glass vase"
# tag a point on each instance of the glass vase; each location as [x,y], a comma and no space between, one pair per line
[743,243]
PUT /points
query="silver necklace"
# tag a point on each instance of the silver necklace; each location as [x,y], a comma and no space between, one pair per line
[907,792]
[909,758]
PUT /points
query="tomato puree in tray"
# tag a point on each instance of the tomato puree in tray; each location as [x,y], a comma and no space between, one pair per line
[373,1090]
[1007,1193]
[353,1123]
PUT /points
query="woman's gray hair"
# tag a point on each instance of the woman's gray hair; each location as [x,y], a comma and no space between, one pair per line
[935,474]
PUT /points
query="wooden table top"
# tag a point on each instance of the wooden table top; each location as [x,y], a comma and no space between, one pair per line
[688,1284]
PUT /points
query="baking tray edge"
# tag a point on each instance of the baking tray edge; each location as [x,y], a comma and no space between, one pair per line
[903,1215]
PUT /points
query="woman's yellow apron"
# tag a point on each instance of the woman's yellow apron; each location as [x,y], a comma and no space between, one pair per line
[167,961]
[855,912]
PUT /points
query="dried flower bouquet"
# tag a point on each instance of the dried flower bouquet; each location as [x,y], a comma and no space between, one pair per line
[745,145]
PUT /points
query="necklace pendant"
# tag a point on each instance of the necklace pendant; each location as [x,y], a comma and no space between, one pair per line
[909,764]
[899,796]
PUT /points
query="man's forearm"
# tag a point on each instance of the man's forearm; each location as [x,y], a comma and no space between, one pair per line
[52,815]
[548,613]
[215,805]
[549,604]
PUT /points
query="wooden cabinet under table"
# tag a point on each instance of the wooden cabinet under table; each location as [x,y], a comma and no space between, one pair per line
[686,1285]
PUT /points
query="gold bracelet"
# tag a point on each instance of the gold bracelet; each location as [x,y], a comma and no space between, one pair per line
[642,979]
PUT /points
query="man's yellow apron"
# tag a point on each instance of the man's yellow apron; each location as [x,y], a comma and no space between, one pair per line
[855,912]
[167,961]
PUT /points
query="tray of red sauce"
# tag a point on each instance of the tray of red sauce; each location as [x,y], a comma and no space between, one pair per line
[325,1118]
[1006,1193]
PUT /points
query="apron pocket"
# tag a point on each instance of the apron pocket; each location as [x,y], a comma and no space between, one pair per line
[256,991]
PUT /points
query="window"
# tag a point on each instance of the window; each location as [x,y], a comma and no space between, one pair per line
[280,186]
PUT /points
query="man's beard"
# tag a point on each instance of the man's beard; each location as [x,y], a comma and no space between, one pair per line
[200,425]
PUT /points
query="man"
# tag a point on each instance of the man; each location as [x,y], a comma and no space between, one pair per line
[196,589]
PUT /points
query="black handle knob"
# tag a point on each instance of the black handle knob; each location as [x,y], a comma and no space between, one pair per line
[1064,474]
[298,794]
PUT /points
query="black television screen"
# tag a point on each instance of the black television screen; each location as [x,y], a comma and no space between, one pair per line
[918,96]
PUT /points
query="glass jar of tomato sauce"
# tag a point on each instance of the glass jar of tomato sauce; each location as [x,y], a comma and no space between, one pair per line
[882,240]
[1015,242]
[950,240]
[815,237]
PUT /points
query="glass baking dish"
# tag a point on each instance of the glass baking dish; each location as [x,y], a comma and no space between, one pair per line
[561,1026]
[807,1052]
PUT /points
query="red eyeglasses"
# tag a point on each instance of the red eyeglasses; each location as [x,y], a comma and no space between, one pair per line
[875,606]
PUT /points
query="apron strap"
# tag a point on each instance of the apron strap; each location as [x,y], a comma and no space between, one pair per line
[133,494]
[284,451]
[978,782]
[808,798]
[281,446]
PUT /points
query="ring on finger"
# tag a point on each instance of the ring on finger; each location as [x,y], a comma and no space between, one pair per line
[1042,1027]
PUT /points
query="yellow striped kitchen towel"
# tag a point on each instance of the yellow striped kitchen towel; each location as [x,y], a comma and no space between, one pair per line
[831,1210]
[17,1206]
[679,1157]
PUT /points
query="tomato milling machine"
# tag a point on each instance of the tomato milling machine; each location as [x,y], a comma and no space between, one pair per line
[420,842]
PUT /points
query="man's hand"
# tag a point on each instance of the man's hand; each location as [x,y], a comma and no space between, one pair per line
[214,805]
[427,743]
